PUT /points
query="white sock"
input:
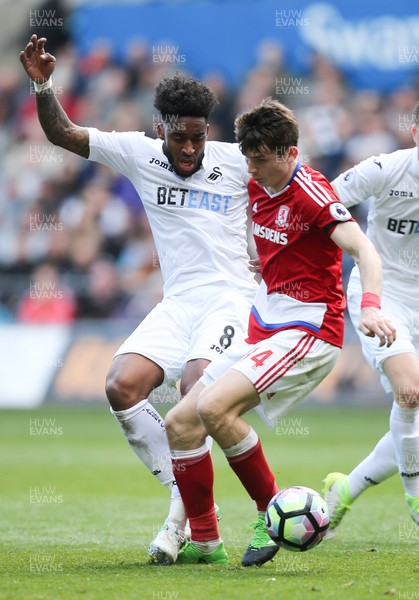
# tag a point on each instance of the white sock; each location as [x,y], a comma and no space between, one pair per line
[404,427]
[145,432]
[177,512]
[195,453]
[207,546]
[247,443]
[375,468]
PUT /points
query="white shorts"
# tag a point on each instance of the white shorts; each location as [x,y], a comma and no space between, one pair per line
[184,327]
[397,305]
[284,368]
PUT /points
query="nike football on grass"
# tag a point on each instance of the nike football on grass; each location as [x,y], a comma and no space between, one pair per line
[261,548]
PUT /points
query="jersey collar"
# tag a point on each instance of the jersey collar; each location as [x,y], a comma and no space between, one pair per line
[286,186]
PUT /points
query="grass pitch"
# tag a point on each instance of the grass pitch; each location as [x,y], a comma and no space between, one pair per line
[78,512]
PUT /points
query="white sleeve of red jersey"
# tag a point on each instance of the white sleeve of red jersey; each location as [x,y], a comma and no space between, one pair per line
[361,182]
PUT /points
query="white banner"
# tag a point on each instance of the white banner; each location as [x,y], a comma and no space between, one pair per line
[29,358]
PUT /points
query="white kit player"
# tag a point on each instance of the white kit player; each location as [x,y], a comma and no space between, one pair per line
[294,335]
[391,183]
[195,196]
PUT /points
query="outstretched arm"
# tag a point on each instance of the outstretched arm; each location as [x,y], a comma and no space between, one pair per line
[351,238]
[40,65]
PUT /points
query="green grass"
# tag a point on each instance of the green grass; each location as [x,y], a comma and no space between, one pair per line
[88,536]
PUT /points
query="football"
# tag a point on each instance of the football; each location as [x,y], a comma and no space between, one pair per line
[297,518]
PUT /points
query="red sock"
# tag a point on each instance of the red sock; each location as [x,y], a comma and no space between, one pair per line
[195,479]
[253,471]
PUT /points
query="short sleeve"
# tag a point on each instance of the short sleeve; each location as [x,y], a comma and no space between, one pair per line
[361,182]
[114,149]
[322,207]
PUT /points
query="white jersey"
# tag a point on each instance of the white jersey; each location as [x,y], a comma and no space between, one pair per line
[198,222]
[391,182]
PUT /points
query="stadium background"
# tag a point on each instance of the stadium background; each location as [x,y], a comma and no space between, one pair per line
[78,268]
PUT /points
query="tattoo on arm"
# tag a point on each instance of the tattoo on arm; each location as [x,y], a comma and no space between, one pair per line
[58,128]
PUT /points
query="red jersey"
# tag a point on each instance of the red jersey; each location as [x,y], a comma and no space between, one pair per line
[300,265]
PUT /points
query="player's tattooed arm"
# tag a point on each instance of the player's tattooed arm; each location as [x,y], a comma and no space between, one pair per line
[57,126]
[39,66]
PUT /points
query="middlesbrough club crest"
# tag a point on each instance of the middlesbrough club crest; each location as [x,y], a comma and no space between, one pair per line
[282,219]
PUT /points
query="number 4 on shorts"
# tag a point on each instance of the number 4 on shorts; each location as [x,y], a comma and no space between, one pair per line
[260,357]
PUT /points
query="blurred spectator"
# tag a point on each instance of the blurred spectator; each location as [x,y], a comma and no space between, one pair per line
[47,300]
[222,117]
[139,267]
[102,297]
[398,115]
[97,209]
[323,117]
[370,135]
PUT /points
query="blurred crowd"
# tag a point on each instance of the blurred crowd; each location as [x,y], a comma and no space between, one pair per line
[75,242]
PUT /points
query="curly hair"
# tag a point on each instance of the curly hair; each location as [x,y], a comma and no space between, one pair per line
[268,126]
[184,96]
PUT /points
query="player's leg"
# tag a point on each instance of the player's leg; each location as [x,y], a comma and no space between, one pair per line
[287,366]
[398,450]
[191,374]
[218,320]
[165,546]
[403,373]
[143,362]
[192,466]
[131,379]
[341,490]
[242,448]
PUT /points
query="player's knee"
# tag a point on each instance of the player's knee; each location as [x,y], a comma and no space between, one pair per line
[210,409]
[173,425]
[181,429]
[120,394]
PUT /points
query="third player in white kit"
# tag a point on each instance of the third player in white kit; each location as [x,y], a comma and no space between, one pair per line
[391,182]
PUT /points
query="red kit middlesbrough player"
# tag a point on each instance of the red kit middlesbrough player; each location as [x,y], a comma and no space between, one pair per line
[295,328]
